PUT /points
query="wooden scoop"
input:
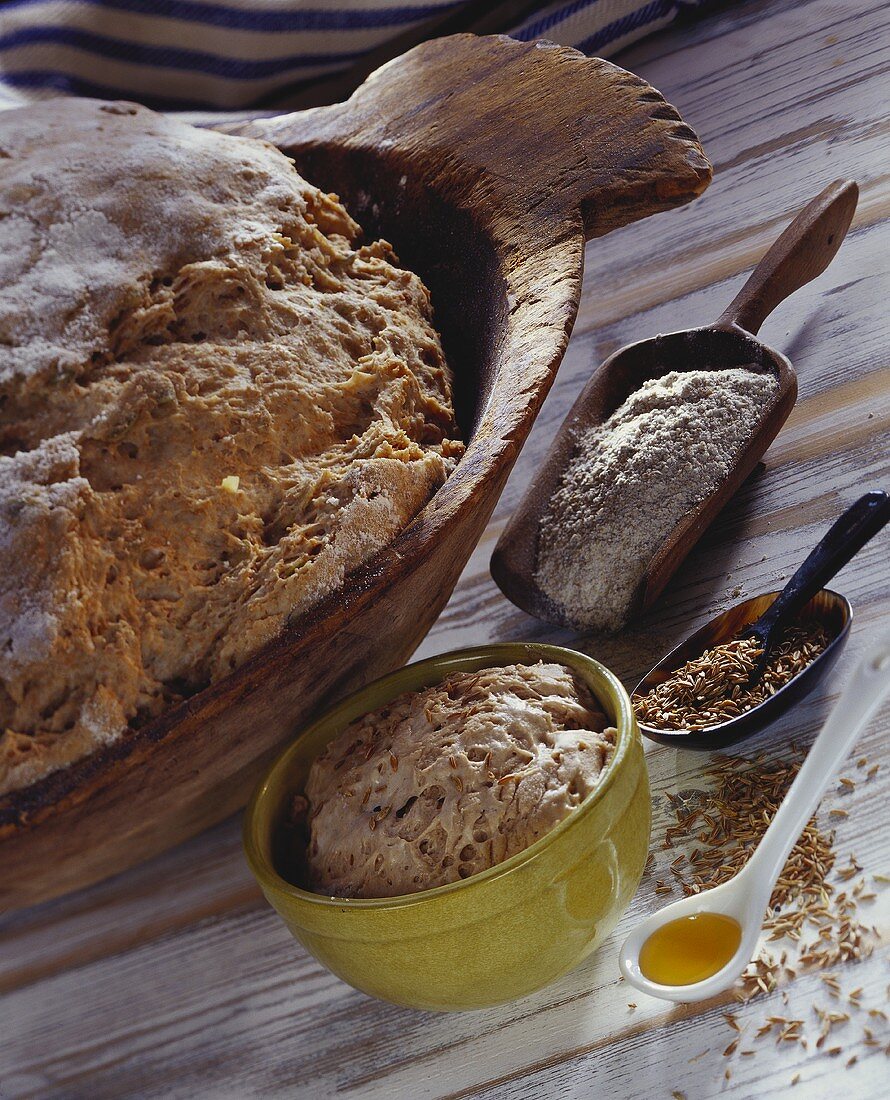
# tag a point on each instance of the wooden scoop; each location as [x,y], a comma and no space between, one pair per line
[802,252]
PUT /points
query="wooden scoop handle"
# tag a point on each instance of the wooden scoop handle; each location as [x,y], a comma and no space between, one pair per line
[529,132]
[803,251]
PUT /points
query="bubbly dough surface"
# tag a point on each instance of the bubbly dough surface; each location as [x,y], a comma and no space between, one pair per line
[446,782]
[214,403]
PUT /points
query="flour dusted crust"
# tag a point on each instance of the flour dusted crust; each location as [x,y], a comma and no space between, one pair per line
[443,783]
[213,405]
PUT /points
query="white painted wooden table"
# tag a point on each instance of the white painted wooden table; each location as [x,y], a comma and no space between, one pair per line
[177,980]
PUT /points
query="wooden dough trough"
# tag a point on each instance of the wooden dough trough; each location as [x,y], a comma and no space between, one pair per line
[487,163]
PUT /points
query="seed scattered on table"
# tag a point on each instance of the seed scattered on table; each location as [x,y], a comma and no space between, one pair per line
[721,824]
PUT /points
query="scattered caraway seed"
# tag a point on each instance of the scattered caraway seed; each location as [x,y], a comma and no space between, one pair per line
[711,689]
[811,908]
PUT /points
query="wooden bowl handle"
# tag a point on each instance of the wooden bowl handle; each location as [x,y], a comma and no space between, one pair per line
[803,251]
[528,130]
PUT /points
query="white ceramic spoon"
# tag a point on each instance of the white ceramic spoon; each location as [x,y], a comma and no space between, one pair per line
[745,897]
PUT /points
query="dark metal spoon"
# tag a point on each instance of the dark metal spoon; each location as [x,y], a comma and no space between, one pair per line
[804,598]
[844,539]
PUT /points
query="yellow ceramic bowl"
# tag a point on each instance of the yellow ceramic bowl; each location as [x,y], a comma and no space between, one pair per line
[502,933]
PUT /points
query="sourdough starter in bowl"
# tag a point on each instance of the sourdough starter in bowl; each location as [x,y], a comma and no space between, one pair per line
[448,781]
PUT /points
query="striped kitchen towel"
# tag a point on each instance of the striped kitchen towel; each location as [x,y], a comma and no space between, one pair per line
[205,55]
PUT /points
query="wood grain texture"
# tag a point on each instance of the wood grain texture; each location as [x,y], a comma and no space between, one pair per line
[174,980]
[802,252]
[431,154]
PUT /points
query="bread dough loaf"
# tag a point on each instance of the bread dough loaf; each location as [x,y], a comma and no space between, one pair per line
[446,782]
[213,405]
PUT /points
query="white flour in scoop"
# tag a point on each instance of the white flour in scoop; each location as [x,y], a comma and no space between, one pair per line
[632,479]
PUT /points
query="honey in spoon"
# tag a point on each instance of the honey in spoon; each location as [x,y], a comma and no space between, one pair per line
[690,949]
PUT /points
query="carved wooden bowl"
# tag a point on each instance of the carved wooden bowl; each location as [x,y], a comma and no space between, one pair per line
[486,162]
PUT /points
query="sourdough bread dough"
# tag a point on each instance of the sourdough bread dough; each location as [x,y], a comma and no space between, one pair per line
[448,781]
[214,403]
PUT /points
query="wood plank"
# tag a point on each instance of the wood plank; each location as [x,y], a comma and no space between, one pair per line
[175,979]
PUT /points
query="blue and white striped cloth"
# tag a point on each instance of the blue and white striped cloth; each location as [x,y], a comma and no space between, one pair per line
[227,55]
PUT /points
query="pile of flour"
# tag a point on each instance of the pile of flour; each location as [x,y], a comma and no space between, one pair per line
[632,479]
